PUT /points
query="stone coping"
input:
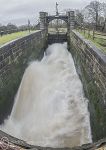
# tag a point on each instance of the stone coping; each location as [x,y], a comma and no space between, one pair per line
[96,51]
[18,39]
[13,143]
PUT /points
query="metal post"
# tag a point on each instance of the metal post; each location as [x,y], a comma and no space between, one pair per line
[57,13]
[29,25]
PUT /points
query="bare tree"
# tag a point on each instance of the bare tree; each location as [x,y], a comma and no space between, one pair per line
[79,17]
[104,13]
[94,10]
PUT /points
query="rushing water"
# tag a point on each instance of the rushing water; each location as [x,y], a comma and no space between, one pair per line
[50,108]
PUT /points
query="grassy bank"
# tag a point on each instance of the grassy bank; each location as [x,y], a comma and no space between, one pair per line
[99,40]
[9,37]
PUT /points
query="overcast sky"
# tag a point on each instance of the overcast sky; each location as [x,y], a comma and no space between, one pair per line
[19,11]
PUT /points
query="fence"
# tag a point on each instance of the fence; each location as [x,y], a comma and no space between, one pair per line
[92,33]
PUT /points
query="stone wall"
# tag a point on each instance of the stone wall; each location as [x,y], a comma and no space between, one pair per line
[9,142]
[14,58]
[91,67]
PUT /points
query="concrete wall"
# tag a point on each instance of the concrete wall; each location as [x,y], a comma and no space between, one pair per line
[91,66]
[14,58]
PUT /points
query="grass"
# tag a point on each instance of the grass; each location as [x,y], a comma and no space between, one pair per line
[64,30]
[99,40]
[9,37]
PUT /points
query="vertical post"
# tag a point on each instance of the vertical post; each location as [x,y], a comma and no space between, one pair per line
[71,20]
[57,23]
[93,34]
[29,25]
[81,28]
[43,21]
[88,32]
[84,30]
[57,13]
[70,24]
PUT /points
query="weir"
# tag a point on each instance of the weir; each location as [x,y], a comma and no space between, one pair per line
[90,65]
[57,38]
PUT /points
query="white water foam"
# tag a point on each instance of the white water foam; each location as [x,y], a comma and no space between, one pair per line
[50,108]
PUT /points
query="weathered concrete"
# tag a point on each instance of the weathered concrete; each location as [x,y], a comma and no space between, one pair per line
[14,58]
[91,66]
[57,38]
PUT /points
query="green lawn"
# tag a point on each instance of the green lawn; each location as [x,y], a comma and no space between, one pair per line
[9,37]
[99,41]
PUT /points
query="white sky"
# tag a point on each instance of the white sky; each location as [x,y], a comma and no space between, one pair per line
[19,11]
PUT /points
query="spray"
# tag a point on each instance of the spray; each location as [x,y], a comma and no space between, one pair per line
[50,108]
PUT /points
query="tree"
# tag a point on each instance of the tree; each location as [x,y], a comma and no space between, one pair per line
[3,28]
[79,17]
[104,13]
[11,27]
[94,10]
